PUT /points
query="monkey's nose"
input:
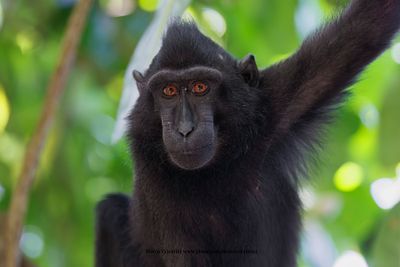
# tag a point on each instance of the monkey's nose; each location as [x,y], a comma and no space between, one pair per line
[185,128]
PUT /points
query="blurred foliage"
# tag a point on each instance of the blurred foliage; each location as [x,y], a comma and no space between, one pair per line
[79,165]
[387,245]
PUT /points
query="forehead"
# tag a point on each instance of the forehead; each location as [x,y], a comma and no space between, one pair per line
[194,73]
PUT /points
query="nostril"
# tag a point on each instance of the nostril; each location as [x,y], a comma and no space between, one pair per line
[185,129]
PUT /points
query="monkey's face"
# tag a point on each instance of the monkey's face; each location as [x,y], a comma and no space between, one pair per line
[203,111]
[184,100]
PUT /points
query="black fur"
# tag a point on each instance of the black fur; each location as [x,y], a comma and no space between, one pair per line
[245,199]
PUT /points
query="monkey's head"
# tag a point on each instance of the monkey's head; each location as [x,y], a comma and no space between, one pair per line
[195,101]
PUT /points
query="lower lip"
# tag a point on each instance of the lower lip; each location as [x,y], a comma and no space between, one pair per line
[196,150]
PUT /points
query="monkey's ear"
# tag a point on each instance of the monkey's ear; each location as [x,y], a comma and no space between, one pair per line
[248,69]
[140,81]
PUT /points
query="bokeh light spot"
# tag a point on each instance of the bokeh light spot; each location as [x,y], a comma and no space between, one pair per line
[308,17]
[24,42]
[118,8]
[98,158]
[386,192]
[101,128]
[4,110]
[148,5]
[369,115]
[215,21]
[348,177]
[11,150]
[32,242]
[308,198]
[189,14]
[351,259]
[396,53]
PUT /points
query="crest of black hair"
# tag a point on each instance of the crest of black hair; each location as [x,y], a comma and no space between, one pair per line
[184,45]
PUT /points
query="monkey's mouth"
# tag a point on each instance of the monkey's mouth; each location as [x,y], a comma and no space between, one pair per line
[191,151]
[193,158]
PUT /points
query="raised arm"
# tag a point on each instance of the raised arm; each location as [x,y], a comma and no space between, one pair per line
[328,61]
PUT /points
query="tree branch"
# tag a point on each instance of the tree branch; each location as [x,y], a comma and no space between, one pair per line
[56,86]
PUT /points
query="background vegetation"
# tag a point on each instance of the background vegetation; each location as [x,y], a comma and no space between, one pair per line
[350,212]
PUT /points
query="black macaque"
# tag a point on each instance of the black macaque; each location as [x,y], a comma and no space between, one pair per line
[219,145]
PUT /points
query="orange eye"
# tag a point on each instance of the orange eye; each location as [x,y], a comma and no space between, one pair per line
[170,90]
[199,88]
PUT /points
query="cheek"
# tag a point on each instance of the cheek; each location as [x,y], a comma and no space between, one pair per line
[167,115]
[168,127]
